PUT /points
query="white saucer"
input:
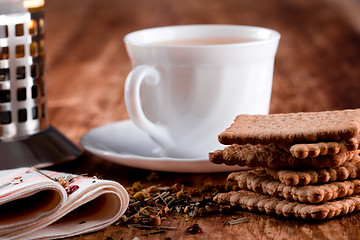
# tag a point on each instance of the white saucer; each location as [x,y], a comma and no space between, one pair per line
[123,143]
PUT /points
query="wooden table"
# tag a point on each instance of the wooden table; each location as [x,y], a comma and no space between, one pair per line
[316,68]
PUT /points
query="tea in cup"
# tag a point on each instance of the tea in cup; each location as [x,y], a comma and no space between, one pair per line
[188,83]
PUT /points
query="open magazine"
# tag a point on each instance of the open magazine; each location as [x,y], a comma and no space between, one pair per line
[42,204]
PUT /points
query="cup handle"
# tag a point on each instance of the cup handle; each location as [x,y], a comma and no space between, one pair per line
[133,102]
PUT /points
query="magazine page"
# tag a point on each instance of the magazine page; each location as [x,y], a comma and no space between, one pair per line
[47,205]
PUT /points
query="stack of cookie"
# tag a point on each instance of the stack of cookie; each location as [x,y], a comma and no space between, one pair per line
[305,165]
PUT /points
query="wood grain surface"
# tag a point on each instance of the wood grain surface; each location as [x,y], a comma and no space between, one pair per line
[316,68]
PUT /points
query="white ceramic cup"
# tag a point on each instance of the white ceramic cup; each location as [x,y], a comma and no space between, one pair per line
[183,96]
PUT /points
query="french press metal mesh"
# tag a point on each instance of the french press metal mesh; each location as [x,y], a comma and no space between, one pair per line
[26,138]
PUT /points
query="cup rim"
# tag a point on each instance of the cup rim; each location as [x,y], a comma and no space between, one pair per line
[132,37]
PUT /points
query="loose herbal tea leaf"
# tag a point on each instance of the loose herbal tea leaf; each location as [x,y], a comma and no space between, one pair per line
[237,221]
[194,229]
